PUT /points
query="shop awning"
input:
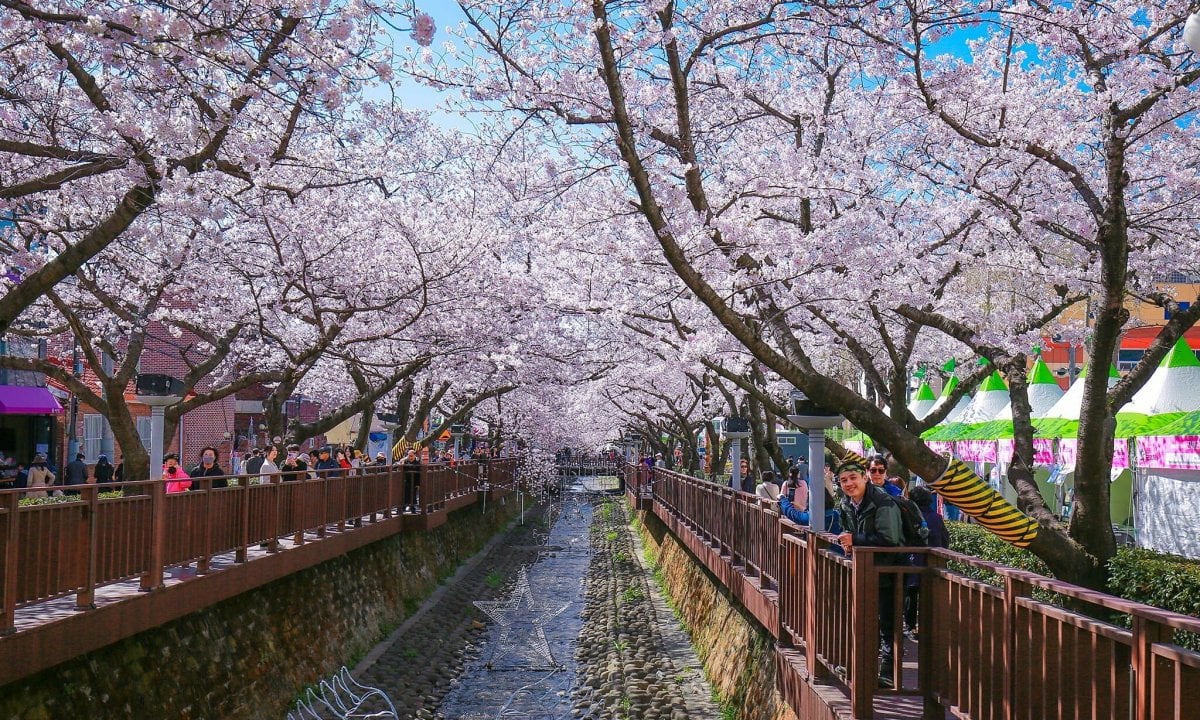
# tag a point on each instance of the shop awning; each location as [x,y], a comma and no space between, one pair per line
[16,400]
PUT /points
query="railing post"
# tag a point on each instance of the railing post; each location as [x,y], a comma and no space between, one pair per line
[1014,589]
[153,579]
[298,492]
[85,599]
[8,591]
[864,635]
[202,565]
[274,504]
[930,641]
[243,548]
[1146,633]
[390,494]
[811,595]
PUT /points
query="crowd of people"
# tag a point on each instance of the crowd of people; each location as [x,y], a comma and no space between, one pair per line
[260,465]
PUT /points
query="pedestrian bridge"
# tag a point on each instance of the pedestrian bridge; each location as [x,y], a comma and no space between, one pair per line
[1021,646]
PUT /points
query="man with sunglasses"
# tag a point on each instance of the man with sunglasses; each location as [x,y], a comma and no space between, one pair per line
[871,518]
[877,473]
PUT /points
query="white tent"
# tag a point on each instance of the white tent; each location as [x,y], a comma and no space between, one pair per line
[1173,388]
[1167,509]
[923,402]
[963,402]
[990,399]
[1044,392]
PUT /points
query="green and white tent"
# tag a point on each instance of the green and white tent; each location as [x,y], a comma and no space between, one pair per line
[1044,393]
[923,402]
[963,402]
[990,400]
[1062,419]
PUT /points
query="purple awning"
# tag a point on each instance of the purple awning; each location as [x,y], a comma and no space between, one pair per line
[15,400]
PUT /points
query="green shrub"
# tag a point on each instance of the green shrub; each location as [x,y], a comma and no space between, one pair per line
[26,502]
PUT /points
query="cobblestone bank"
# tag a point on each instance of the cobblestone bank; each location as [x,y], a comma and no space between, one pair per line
[633,657]
[738,654]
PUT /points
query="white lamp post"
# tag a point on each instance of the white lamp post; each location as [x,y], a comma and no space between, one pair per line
[157,391]
[816,420]
[735,430]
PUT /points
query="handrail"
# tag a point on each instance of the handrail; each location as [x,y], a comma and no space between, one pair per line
[985,650]
[77,546]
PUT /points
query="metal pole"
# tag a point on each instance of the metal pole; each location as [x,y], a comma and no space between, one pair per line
[735,456]
[157,415]
[816,479]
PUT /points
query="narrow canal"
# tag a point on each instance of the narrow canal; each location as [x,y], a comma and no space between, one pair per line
[558,618]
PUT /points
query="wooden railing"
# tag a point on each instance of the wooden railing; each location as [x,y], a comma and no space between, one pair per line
[1023,647]
[72,548]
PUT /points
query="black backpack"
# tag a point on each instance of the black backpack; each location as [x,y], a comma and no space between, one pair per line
[916,530]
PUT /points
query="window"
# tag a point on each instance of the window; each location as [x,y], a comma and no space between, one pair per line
[1127,359]
[143,431]
[1178,277]
[784,440]
[1182,306]
[94,429]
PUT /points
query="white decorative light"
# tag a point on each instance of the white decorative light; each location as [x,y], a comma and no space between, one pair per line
[1191,32]
[521,605]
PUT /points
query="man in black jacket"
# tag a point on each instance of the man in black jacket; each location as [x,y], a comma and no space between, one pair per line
[870,518]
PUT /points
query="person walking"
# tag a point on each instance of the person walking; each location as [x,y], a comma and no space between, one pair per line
[208,467]
[412,481]
[40,477]
[327,466]
[104,470]
[267,469]
[177,480]
[939,537]
[295,465]
[77,474]
[254,463]
[871,518]
[767,489]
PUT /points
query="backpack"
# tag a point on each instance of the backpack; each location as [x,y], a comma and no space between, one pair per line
[916,530]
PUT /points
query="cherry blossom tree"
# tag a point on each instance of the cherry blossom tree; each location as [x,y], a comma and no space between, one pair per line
[817,177]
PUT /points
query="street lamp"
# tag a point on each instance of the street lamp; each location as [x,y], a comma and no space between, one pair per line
[158,391]
[457,431]
[735,430]
[816,420]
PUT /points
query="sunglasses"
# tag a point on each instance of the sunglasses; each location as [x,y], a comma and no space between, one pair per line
[877,471]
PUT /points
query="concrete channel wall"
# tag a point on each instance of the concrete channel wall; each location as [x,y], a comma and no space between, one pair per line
[738,653]
[250,656]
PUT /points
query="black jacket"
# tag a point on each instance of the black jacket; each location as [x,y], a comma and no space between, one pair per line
[214,471]
[876,522]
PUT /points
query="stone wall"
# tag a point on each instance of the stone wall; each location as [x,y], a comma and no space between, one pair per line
[738,653]
[250,656]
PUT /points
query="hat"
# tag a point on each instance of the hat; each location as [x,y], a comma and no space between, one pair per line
[324,449]
[39,458]
[102,457]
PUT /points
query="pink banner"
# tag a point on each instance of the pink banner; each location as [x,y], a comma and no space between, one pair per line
[1174,453]
[941,447]
[1042,451]
[1068,451]
[977,450]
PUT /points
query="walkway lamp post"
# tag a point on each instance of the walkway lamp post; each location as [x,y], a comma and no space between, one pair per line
[735,429]
[816,420]
[457,431]
[158,391]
